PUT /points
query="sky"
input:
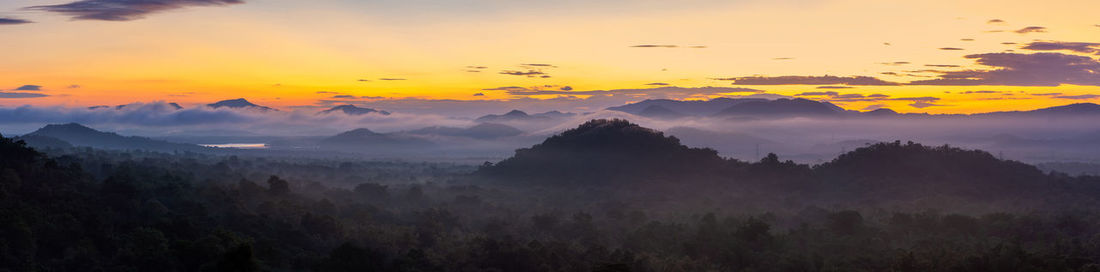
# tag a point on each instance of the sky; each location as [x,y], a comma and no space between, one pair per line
[932,56]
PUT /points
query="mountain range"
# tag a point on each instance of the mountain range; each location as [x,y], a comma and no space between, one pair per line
[239,103]
[518,115]
[353,110]
[73,134]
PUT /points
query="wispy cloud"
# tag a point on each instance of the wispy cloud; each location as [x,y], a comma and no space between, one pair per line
[21,95]
[13,21]
[1079,47]
[810,80]
[655,46]
[124,10]
[1014,69]
[1079,97]
[1031,29]
[29,88]
[527,73]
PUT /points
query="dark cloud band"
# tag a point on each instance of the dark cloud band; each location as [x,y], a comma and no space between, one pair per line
[124,10]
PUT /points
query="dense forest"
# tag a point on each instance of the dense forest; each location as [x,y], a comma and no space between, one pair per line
[606,196]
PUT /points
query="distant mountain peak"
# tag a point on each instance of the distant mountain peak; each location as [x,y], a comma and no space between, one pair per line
[518,115]
[660,112]
[359,131]
[239,103]
[782,107]
[350,109]
[67,128]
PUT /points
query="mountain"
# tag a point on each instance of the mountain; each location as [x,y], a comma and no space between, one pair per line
[1078,109]
[697,108]
[518,115]
[239,103]
[782,108]
[353,110]
[659,112]
[480,131]
[79,135]
[365,139]
[896,171]
[603,152]
[881,112]
[43,142]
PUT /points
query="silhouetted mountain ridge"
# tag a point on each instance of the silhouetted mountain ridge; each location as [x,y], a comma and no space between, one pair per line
[353,110]
[239,103]
[80,135]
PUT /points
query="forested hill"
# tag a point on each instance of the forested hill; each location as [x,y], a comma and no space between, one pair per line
[603,152]
[176,212]
[620,154]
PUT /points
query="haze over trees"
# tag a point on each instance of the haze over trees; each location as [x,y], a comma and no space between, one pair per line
[608,195]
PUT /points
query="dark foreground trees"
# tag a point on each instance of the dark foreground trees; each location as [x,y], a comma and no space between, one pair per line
[95,211]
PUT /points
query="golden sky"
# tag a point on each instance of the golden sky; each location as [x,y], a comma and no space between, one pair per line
[288,53]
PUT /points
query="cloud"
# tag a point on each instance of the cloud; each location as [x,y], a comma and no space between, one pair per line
[942,65]
[922,104]
[995,21]
[896,63]
[951,48]
[124,10]
[818,94]
[20,95]
[73,86]
[834,87]
[660,92]
[13,21]
[782,58]
[567,88]
[874,107]
[528,73]
[657,84]
[1031,29]
[1079,47]
[1015,69]
[980,92]
[391,79]
[29,88]
[810,80]
[1046,94]
[363,80]
[479,94]
[161,119]
[1079,97]
[538,65]
[967,39]
[655,46]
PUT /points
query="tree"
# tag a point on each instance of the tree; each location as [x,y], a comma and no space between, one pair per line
[277,186]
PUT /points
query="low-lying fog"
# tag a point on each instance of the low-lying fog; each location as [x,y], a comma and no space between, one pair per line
[809,140]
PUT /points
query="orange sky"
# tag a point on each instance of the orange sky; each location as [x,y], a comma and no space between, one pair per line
[284,53]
